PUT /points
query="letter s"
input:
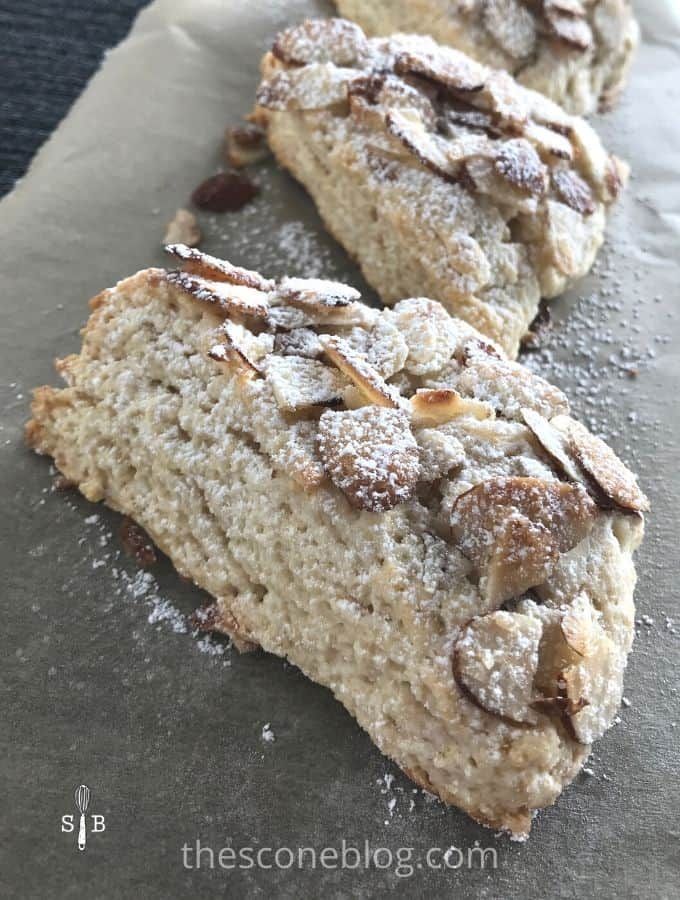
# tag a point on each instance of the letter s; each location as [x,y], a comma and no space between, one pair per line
[67,823]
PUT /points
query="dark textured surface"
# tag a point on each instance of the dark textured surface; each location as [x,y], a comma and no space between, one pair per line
[169,739]
[48,51]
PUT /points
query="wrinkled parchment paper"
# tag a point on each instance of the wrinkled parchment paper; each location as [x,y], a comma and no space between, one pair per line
[99,683]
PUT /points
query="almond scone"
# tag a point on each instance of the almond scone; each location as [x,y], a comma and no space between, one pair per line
[577,52]
[381,497]
[440,176]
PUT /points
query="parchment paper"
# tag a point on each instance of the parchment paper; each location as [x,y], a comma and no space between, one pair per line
[169,738]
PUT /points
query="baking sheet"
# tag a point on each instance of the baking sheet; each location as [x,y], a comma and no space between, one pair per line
[101,683]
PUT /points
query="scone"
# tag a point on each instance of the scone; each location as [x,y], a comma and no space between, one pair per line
[577,52]
[441,177]
[382,498]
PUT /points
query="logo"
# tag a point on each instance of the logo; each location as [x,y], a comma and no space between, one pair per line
[83,795]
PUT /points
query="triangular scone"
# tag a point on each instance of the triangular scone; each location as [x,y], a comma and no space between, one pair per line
[379,496]
[577,53]
[442,177]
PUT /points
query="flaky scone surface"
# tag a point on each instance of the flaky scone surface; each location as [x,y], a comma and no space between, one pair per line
[382,498]
[577,53]
[440,176]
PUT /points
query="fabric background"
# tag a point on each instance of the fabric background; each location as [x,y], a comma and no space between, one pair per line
[48,51]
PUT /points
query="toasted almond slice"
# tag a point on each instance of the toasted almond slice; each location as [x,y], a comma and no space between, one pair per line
[517,162]
[315,293]
[509,387]
[233,350]
[441,405]
[429,149]
[593,689]
[549,142]
[299,383]
[288,318]
[245,145]
[315,86]
[574,191]
[579,626]
[321,40]
[367,379]
[524,555]
[223,297]
[567,7]
[299,456]
[446,66]
[371,455]
[616,177]
[298,342]
[565,510]
[386,91]
[440,453]
[552,442]
[184,227]
[614,485]
[506,100]
[494,663]
[218,617]
[467,146]
[573,31]
[205,266]
[512,27]
[386,349]
[428,331]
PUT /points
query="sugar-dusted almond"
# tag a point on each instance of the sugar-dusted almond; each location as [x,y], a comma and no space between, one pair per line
[548,142]
[445,66]
[428,332]
[553,442]
[184,229]
[371,455]
[428,148]
[511,25]
[223,297]
[613,484]
[509,387]
[573,31]
[195,262]
[573,190]
[321,40]
[494,664]
[363,375]
[299,383]
[517,526]
[579,626]
[315,86]
[288,318]
[299,456]
[436,406]
[298,342]
[233,349]
[315,293]
[386,348]
[518,163]
[245,145]
[501,97]
[592,688]
[440,452]
[566,7]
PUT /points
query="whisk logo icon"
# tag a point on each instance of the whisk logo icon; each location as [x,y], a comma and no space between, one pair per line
[83,795]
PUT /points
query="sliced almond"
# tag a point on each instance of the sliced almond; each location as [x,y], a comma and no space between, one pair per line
[440,453]
[573,31]
[548,142]
[183,228]
[567,7]
[506,100]
[315,293]
[315,86]
[574,191]
[201,264]
[443,65]
[223,297]
[441,405]
[298,342]
[579,626]
[509,387]
[428,332]
[517,162]
[552,442]
[367,379]
[371,455]
[494,663]
[299,383]
[593,688]
[515,527]
[321,40]
[429,149]
[386,349]
[233,350]
[386,91]
[245,145]
[613,482]
[512,27]
[299,457]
